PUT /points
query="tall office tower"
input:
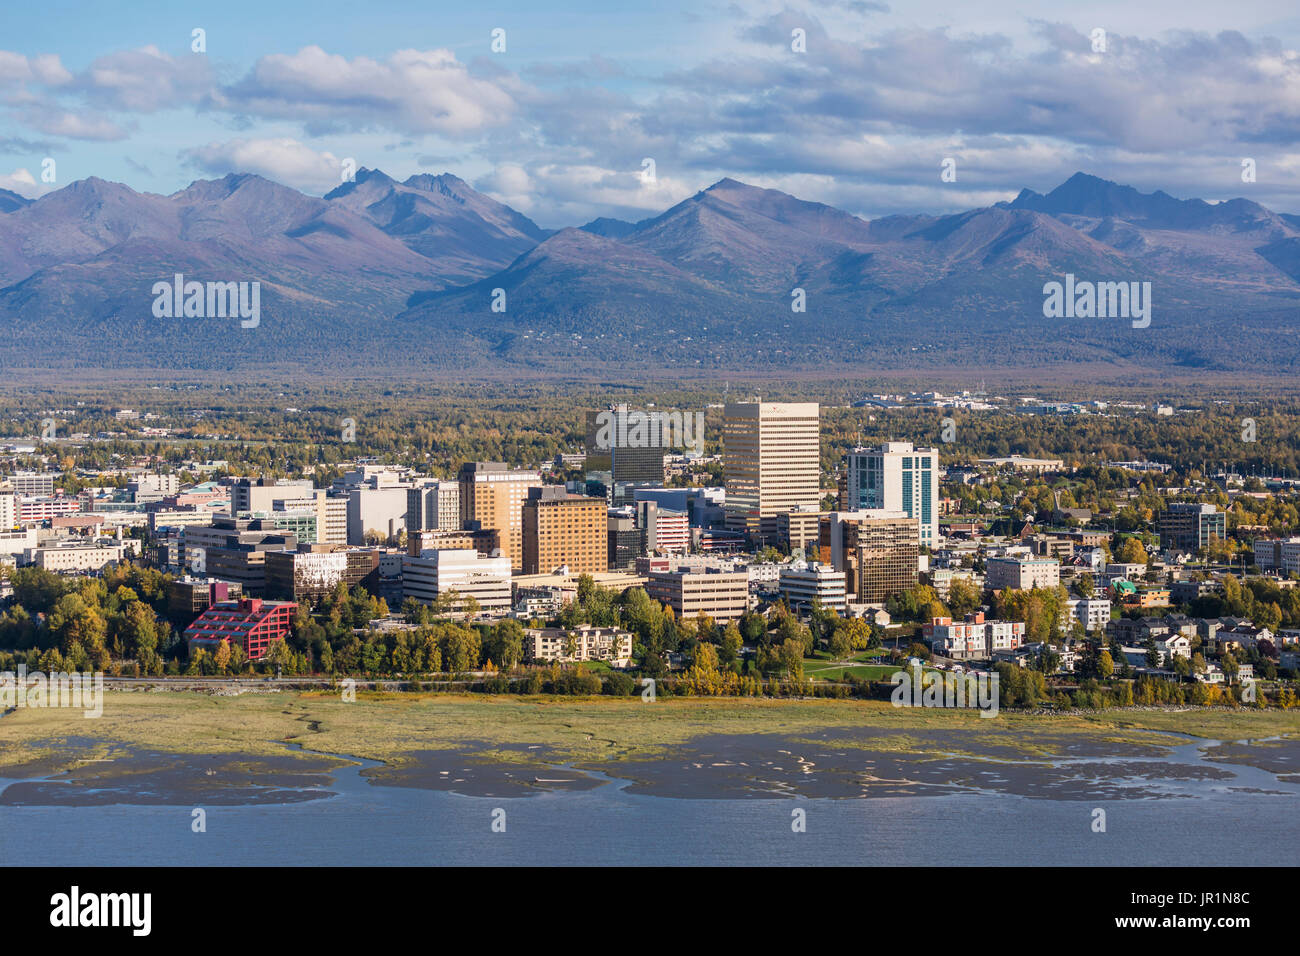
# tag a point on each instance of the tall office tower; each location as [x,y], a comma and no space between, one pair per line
[433,506]
[492,498]
[878,551]
[1189,527]
[564,530]
[896,477]
[772,463]
[629,444]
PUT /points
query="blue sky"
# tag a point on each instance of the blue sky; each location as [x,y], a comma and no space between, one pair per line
[559,123]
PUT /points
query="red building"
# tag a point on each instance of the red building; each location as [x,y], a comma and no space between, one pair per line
[251,623]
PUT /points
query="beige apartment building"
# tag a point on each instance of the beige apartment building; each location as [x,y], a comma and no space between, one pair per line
[772,462]
[564,530]
[724,596]
[583,643]
[72,558]
[1021,573]
[492,497]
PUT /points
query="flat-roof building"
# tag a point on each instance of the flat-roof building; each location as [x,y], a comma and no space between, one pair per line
[427,576]
[251,623]
[565,531]
[772,463]
[492,497]
[724,596]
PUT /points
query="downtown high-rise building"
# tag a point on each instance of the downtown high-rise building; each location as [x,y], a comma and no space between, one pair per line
[895,477]
[630,445]
[564,530]
[433,506]
[878,551]
[492,497]
[772,463]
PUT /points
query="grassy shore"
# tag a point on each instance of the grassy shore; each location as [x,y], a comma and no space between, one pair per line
[390,727]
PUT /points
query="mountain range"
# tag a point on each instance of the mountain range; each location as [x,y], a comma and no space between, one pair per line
[431,275]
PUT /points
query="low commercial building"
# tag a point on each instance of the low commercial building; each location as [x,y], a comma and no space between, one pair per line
[799,529]
[664,531]
[67,559]
[973,638]
[484,541]
[187,598]
[625,539]
[817,584]
[14,544]
[251,623]
[1189,527]
[43,509]
[724,596]
[463,571]
[312,572]
[163,518]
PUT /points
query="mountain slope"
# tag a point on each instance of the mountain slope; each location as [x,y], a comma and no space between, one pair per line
[463,232]
[406,274]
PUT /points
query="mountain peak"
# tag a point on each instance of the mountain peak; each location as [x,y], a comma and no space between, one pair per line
[376,178]
[442,182]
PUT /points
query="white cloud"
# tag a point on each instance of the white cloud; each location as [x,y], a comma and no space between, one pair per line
[45,68]
[146,80]
[23,183]
[283,160]
[74,125]
[414,91]
[570,194]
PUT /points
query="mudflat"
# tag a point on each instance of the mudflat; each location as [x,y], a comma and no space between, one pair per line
[168,747]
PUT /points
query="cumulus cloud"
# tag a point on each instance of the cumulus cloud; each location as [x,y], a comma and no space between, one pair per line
[78,124]
[283,160]
[1179,92]
[146,80]
[45,69]
[23,183]
[570,194]
[412,91]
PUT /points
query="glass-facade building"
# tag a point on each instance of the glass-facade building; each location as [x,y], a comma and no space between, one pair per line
[896,477]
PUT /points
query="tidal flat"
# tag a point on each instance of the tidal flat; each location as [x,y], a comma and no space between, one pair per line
[160,747]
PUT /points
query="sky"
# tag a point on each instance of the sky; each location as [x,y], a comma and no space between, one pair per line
[855,103]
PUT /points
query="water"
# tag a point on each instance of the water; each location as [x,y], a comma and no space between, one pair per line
[1191,822]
